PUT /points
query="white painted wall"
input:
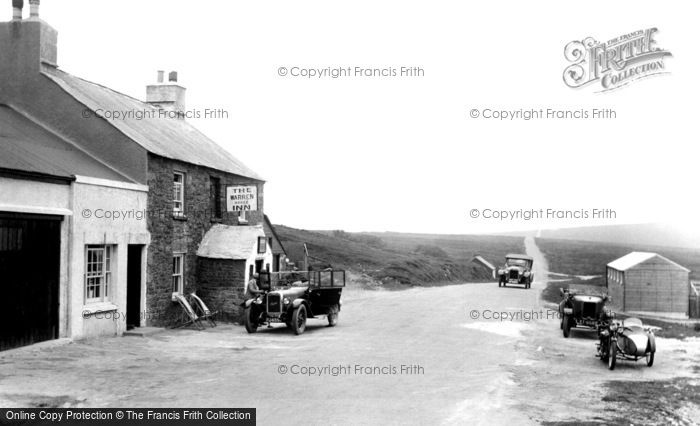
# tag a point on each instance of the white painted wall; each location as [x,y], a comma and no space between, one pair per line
[99,200]
[267,258]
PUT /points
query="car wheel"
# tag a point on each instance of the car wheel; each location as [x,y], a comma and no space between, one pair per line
[566,325]
[650,359]
[299,320]
[251,324]
[612,353]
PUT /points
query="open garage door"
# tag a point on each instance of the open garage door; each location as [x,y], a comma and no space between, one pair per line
[30,248]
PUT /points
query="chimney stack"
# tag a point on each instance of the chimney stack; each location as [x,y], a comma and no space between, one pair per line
[168,96]
[34,8]
[17,6]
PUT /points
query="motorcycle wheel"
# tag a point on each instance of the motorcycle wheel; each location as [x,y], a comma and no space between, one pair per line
[612,353]
[650,359]
[566,326]
[251,325]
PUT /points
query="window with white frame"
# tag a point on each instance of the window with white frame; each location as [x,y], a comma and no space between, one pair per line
[178,193]
[98,273]
[178,272]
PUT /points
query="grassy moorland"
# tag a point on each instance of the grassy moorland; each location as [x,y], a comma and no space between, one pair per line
[402,260]
[571,262]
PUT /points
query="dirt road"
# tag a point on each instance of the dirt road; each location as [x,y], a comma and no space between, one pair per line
[442,355]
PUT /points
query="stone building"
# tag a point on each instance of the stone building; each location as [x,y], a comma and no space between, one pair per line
[180,182]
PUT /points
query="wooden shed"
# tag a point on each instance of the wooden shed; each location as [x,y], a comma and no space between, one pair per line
[649,283]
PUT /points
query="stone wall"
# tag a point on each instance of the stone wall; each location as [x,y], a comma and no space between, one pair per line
[219,285]
[171,234]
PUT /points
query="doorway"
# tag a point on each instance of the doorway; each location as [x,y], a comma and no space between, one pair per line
[133,286]
[30,247]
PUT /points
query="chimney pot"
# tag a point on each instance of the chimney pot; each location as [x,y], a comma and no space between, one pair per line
[34,8]
[161,75]
[172,77]
[17,6]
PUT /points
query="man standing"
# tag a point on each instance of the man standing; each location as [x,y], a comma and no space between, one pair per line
[252,291]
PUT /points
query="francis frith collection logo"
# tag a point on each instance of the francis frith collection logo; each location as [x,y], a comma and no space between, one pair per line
[616,62]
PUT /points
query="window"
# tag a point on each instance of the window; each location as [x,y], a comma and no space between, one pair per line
[242,217]
[215,194]
[98,273]
[178,272]
[178,194]
[262,245]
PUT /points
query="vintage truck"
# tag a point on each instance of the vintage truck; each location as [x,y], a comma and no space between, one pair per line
[291,301]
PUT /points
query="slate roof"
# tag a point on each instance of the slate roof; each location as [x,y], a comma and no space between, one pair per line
[27,146]
[170,138]
[230,242]
[635,258]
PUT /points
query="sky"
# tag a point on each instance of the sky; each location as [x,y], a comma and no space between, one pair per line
[392,153]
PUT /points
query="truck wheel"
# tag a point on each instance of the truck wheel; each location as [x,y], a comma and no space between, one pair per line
[650,359]
[332,319]
[613,355]
[299,320]
[566,326]
[251,324]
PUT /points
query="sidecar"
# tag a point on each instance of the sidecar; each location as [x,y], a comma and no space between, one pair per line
[629,340]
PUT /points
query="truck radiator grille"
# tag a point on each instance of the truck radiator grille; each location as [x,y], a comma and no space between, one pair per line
[274,303]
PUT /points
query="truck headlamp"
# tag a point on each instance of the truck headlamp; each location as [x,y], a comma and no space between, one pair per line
[285,301]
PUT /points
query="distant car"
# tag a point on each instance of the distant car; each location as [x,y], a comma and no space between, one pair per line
[294,303]
[517,270]
[585,310]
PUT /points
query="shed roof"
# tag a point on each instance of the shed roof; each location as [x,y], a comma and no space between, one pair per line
[230,242]
[170,138]
[518,256]
[483,261]
[636,257]
[27,146]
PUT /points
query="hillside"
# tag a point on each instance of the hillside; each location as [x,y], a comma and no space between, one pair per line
[399,260]
[582,263]
[645,234]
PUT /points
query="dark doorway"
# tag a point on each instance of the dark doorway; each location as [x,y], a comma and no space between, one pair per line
[30,256]
[133,286]
[259,265]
